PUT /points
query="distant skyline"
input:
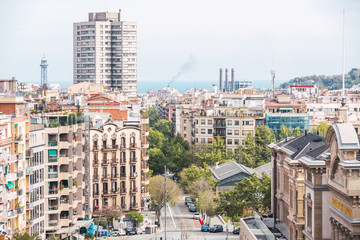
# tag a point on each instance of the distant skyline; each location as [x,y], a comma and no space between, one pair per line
[298,38]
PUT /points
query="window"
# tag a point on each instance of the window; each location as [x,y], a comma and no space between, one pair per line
[237,132]
[203,122]
[203,131]
[236,142]
[229,132]
[237,122]
[229,122]
[229,141]
[246,132]
[210,122]
[113,186]
[210,140]
[209,131]
[202,140]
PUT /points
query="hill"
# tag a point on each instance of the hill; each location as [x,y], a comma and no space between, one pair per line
[330,82]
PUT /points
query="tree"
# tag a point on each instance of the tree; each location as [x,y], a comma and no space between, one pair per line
[157,192]
[155,138]
[23,235]
[109,213]
[215,152]
[198,186]
[206,203]
[191,174]
[153,116]
[287,132]
[157,161]
[165,127]
[265,190]
[176,154]
[229,204]
[321,129]
[135,218]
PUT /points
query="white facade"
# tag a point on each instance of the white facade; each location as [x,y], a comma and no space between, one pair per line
[105,52]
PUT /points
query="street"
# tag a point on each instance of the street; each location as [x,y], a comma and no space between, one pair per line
[180,225]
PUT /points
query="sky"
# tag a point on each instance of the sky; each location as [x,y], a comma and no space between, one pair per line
[297,38]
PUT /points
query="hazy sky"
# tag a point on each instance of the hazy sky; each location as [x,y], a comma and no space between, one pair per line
[302,37]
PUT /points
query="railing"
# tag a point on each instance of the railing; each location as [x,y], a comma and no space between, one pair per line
[123,206]
[53,191]
[114,175]
[52,159]
[52,175]
[122,161]
[96,193]
[133,190]
[104,161]
[133,175]
[122,190]
[132,145]
[133,206]
[114,160]
[64,155]
[122,147]
[219,124]
[114,146]
[53,222]
[52,143]
[106,176]
[95,148]
[132,159]
[114,190]
[53,207]
[96,177]
[122,175]
[96,161]
[220,134]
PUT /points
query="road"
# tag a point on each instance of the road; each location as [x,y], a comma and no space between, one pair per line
[181,226]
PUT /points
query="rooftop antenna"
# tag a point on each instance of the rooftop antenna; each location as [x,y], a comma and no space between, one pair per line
[343,102]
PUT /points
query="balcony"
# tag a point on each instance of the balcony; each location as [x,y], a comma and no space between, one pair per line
[95,148]
[53,191]
[19,192]
[114,146]
[122,191]
[64,159]
[52,175]
[96,162]
[64,144]
[123,206]
[132,159]
[105,176]
[114,191]
[53,222]
[122,162]
[133,190]
[132,145]
[52,159]
[114,161]
[29,170]
[29,153]
[134,206]
[11,214]
[220,125]
[133,175]
[114,176]
[122,147]
[11,177]
[53,207]
[122,175]
[96,193]
[64,175]
[104,162]
[52,143]
[96,177]
[64,221]
[20,174]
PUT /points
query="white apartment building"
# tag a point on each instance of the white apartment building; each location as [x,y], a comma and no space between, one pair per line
[35,182]
[105,52]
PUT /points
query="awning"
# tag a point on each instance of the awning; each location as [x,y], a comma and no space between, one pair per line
[52,152]
[10,185]
[286,108]
[52,198]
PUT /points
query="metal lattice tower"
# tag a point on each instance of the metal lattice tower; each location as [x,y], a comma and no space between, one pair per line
[44,80]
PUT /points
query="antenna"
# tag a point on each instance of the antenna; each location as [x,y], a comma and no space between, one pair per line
[343,102]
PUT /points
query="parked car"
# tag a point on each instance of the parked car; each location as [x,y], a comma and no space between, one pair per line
[216,228]
[205,228]
[138,230]
[189,202]
[191,205]
[236,231]
[187,199]
[130,231]
[192,209]
[196,215]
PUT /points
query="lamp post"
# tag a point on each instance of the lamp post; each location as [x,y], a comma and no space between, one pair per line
[165,199]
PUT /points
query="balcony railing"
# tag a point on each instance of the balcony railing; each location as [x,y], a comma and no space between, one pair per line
[114,161]
[133,159]
[122,175]
[114,146]
[134,206]
[53,222]
[96,177]
[52,143]
[123,206]
[122,161]
[96,161]
[53,207]
[53,191]
[95,148]
[52,175]
[133,189]
[122,147]
[52,158]
[105,176]
[132,145]
[133,175]
[114,175]
[104,162]
[122,190]
[96,193]
[220,124]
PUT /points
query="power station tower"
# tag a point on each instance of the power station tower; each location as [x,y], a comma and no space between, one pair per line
[44,80]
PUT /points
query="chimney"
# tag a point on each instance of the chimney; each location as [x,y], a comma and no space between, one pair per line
[232,81]
[226,81]
[220,83]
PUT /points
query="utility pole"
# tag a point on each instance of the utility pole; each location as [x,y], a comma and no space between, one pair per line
[165,198]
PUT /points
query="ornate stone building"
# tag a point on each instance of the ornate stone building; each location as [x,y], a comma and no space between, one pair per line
[118,161]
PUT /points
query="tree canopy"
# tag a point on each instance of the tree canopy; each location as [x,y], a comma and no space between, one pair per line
[135,218]
[321,129]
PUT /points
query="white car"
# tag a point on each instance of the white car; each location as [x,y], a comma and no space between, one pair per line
[139,230]
[118,232]
[196,215]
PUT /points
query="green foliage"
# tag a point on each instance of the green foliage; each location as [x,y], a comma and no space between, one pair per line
[155,138]
[256,152]
[135,218]
[157,192]
[88,236]
[286,132]
[165,127]
[176,154]
[157,161]
[321,129]
[153,115]
[193,173]
[102,223]
[206,202]
[23,235]
[230,204]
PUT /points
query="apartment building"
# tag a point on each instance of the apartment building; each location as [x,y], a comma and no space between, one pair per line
[118,156]
[230,124]
[35,190]
[105,52]
[64,175]
[15,161]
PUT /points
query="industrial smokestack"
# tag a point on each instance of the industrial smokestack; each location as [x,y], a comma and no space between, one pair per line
[220,81]
[232,81]
[226,81]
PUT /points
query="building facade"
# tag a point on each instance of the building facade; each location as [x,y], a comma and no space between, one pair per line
[118,156]
[105,52]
